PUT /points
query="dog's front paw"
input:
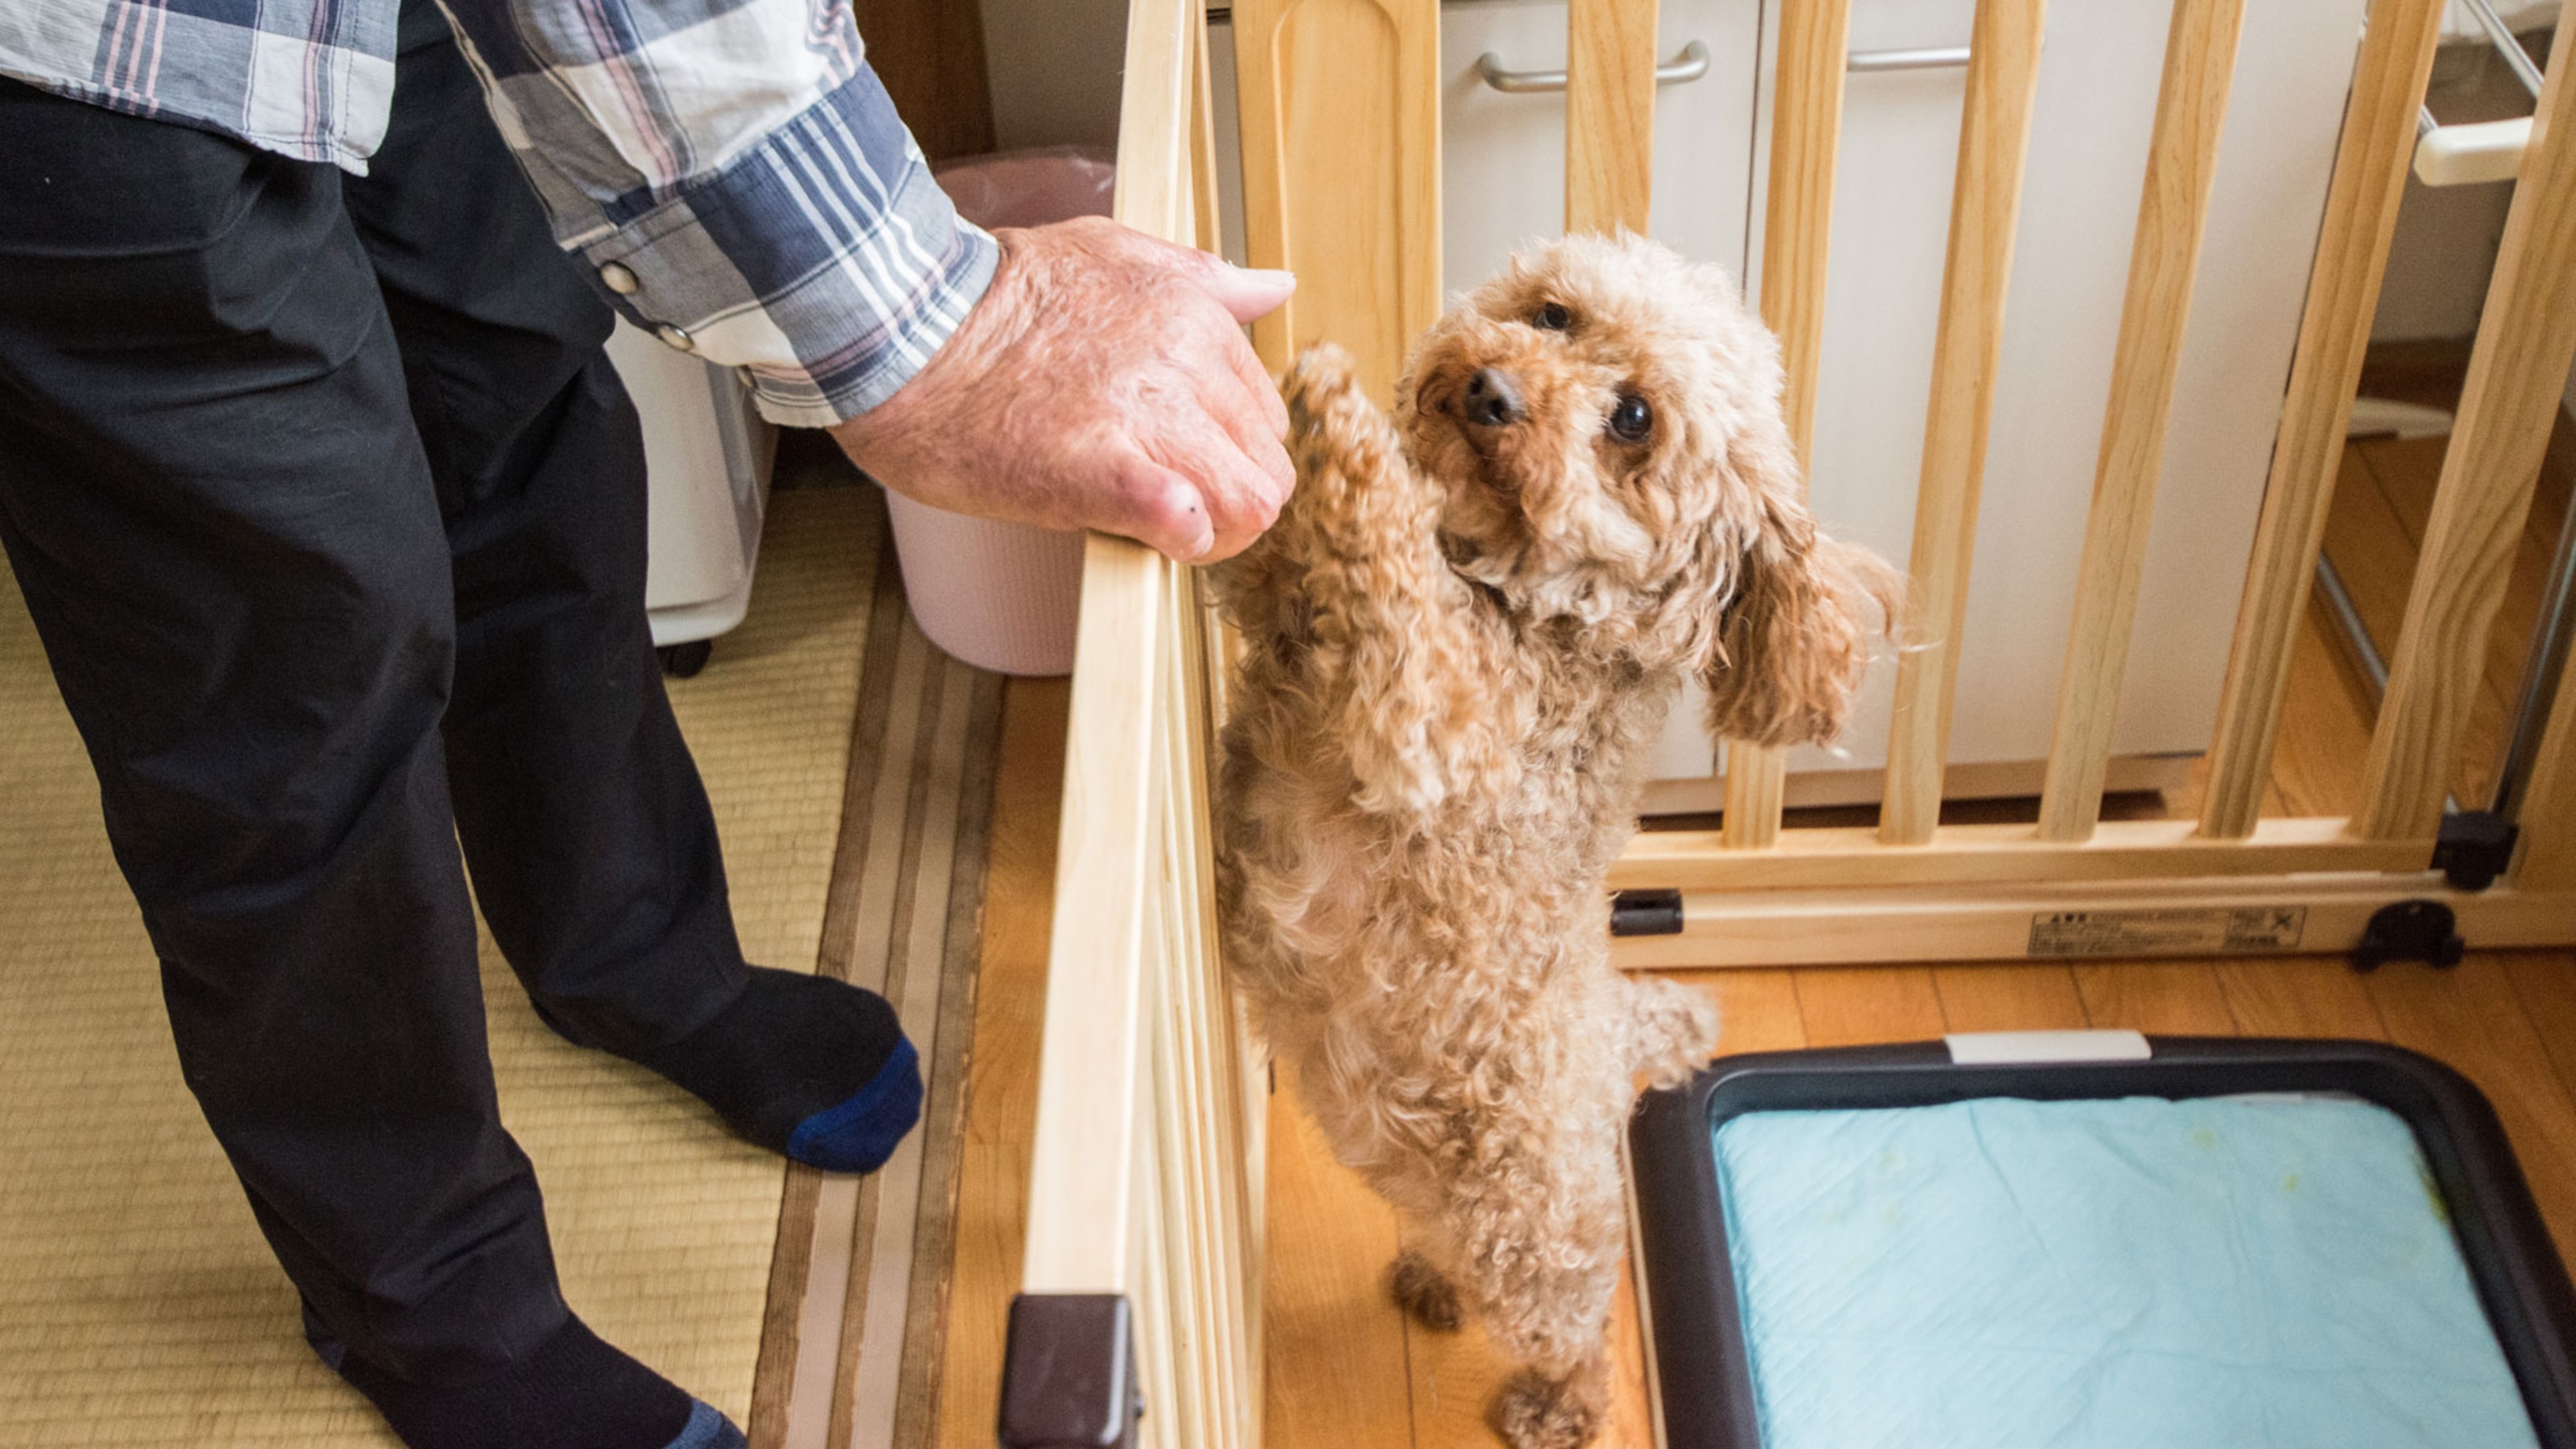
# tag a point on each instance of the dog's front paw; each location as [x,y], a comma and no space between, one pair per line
[1673,1028]
[1423,1292]
[1534,1411]
[1322,377]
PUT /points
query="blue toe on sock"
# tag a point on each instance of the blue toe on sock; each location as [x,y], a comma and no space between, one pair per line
[707,1429]
[860,1133]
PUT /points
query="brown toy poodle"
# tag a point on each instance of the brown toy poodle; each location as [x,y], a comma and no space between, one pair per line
[1460,638]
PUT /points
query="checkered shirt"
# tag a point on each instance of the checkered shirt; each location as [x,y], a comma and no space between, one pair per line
[730,169]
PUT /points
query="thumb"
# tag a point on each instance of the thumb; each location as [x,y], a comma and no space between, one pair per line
[1246,293]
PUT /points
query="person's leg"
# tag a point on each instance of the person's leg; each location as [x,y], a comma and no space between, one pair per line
[218,514]
[589,837]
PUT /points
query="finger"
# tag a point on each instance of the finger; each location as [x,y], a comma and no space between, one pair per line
[1241,499]
[1157,507]
[1256,380]
[1247,294]
[1238,412]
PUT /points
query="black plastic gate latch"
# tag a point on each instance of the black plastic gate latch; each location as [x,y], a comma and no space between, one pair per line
[2473,848]
[1646,913]
[2423,931]
[1069,1373]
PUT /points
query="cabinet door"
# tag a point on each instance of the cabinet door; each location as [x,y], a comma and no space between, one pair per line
[1504,154]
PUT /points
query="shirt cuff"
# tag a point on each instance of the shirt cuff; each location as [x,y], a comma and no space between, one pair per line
[824,262]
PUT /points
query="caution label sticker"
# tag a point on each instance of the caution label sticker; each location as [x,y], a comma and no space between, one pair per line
[2207,932]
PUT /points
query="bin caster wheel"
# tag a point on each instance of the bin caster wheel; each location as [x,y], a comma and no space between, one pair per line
[683,661]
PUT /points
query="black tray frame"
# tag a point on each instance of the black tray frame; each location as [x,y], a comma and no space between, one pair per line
[1702,1375]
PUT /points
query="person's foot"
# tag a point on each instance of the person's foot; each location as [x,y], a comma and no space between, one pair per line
[807,1066]
[575,1391]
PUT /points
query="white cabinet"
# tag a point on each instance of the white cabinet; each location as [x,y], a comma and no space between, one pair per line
[1504,182]
[707,455]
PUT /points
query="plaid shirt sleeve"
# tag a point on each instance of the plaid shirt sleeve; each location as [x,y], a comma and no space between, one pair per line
[734,175]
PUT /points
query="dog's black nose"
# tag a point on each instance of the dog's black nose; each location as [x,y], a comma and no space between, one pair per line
[1493,399]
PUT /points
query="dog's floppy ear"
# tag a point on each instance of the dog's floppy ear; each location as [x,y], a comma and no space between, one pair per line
[1794,639]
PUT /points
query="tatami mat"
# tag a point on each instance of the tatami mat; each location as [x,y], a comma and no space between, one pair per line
[138,1304]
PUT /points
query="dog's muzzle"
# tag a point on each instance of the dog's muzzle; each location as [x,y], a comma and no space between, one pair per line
[1493,399]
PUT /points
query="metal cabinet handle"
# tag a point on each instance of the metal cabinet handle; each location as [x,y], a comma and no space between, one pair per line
[1934,57]
[1688,66]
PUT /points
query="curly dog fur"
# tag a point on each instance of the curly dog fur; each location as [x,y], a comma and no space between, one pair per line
[1467,624]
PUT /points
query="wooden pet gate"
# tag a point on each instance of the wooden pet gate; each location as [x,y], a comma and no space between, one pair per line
[1143,1265]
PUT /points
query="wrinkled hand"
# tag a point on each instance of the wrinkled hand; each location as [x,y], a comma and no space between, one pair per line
[1103,382]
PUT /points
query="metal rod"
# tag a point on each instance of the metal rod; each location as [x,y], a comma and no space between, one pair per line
[2516,59]
[2541,670]
[2357,634]
[2348,614]
[1935,57]
[1690,65]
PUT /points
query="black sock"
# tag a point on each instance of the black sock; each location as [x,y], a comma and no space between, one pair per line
[808,1066]
[574,1391]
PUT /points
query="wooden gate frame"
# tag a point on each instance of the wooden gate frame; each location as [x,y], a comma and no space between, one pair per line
[1914,891]
[1345,190]
[1143,1260]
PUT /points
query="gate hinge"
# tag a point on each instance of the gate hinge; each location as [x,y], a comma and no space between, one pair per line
[2474,847]
[1646,913]
[1069,1373]
[2423,931]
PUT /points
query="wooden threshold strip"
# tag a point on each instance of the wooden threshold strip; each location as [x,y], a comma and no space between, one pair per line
[2078,922]
[1694,860]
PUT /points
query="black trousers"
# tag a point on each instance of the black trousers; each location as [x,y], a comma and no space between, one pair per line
[330,514]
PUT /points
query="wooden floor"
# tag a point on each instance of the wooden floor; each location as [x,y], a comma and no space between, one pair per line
[1347,1372]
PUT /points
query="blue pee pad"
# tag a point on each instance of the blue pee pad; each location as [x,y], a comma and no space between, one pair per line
[2218,1273]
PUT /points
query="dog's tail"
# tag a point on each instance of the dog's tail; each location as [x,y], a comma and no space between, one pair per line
[1672,1029]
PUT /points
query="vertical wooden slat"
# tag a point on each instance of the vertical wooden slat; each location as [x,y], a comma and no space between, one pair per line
[1208,211]
[1994,139]
[2343,291]
[1797,234]
[2182,157]
[1340,109]
[1094,1070]
[2526,340]
[1234,1202]
[1609,114]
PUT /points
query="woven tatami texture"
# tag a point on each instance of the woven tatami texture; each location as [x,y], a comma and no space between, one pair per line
[139,1306]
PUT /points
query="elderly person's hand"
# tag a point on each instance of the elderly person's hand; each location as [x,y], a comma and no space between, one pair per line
[1103,382]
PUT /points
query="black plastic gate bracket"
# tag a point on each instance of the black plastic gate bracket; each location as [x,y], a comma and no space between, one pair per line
[1646,913]
[2423,931]
[2473,848]
[1069,1373]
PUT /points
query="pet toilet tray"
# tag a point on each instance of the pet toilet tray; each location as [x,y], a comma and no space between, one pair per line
[2099,1239]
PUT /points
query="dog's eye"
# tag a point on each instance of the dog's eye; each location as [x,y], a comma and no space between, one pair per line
[1552,318]
[1631,420]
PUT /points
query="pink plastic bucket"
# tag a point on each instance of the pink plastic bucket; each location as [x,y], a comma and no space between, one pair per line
[1002,596]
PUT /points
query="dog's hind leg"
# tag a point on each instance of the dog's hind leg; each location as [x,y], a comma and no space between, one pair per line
[1541,1240]
[1424,1292]
[1535,1409]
